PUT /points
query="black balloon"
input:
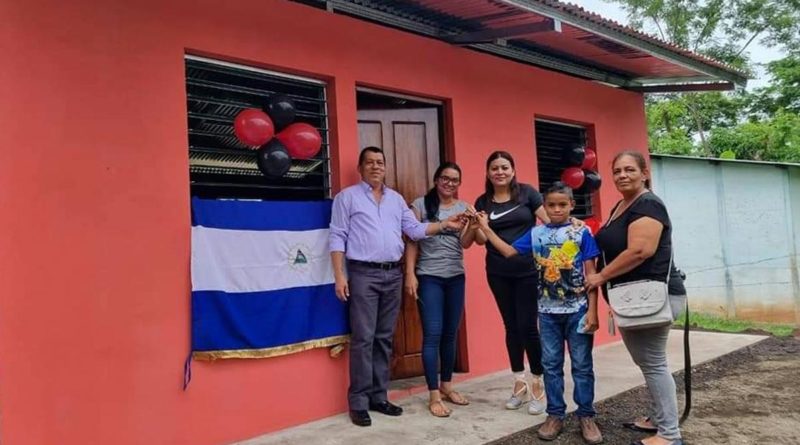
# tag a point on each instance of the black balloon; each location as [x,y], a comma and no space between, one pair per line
[591,181]
[281,110]
[273,159]
[575,155]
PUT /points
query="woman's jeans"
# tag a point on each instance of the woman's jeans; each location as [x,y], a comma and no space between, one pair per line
[648,348]
[555,330]
[441,305]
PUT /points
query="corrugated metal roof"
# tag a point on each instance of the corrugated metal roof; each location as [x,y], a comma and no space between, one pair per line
[552,34]
[613,25]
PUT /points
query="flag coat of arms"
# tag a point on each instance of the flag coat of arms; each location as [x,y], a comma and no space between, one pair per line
[262,280]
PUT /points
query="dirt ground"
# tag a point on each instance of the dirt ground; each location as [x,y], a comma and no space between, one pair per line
[748,397]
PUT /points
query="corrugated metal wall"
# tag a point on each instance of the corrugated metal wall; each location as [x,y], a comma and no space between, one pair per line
[737,235]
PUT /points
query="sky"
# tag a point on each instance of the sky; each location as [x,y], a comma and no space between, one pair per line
[758,53]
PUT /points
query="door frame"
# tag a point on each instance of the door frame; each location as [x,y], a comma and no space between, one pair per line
[446,153]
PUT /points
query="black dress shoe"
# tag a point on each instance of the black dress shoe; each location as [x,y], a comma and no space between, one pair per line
[360,417]
[386,408]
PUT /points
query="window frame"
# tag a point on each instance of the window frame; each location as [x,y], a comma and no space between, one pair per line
[220,167]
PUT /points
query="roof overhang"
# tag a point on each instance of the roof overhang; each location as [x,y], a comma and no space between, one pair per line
[553,35]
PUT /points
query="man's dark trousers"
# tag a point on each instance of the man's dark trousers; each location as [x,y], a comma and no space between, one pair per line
[375,297]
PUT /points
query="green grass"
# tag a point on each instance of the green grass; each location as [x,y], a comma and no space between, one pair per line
[714,323]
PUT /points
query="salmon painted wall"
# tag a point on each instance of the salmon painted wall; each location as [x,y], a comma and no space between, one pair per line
[94,314]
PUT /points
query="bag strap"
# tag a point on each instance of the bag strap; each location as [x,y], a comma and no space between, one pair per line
[669,266]
[687,366]
[608,221]
[613,209]
[616,206]
[687,354]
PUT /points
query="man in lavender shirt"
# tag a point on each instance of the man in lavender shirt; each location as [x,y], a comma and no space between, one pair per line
[366,231]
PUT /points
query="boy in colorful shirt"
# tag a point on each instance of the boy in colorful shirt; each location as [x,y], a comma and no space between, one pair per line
[564,255]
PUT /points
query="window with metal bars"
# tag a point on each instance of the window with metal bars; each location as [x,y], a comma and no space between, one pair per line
[553,140]
[222,167]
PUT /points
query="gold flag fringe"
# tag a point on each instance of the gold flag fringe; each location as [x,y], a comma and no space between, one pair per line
[271,352]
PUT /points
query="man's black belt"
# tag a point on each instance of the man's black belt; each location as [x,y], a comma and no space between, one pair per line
[373,265]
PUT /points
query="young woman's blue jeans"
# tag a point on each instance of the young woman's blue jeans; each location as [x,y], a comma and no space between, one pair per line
[441,304]
[555,330]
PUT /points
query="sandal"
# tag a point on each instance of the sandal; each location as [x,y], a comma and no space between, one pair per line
[520,395]
[443,410]
[537,405]
[636,427]
[454,397]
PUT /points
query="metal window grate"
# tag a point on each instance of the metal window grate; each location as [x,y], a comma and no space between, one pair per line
[219,165]
[552,141]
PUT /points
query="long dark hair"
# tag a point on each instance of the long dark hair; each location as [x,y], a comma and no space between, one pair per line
[432,197]
[640,161]
[514,186]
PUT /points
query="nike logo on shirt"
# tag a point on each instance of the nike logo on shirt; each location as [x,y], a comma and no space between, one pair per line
[493,216]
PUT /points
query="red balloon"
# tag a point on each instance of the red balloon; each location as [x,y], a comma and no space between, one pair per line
[573,177]
[301,140]
[593,224]
[590,160]
[253,127]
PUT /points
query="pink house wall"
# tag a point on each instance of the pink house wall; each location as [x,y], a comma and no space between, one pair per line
[94,314]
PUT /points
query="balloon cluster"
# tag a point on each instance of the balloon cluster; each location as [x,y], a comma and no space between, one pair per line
[278,139]
[581,173]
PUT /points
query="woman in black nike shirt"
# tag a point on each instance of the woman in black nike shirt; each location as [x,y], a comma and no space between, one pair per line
[513,208]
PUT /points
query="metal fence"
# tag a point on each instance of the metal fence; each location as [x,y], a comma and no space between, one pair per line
[736,234]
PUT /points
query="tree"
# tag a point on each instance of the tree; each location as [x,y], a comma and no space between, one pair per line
[784,91]
[684,119]
[777,139]
[701,123]
[723,29]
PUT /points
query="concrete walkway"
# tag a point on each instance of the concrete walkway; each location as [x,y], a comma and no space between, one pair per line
[485,419]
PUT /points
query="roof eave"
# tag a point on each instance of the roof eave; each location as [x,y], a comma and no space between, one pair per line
[710,75]
[499,48]
[715,72]
[684,87]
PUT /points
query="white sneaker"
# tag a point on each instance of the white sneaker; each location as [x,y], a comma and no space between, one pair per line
[518,397]
[537,405]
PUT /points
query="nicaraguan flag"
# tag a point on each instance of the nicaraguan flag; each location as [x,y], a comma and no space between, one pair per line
[262,280]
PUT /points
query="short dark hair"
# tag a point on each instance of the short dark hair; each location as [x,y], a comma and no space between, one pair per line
[370,149]
[559,187]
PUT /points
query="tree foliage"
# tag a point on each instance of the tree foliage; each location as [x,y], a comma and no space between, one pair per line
[759,124]
[783,93]
[775,139]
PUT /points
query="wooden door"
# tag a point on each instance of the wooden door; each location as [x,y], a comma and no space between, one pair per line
[410,140]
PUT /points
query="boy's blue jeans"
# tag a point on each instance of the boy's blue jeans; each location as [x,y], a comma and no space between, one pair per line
[555,330]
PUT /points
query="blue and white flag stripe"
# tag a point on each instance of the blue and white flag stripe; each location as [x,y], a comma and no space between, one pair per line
[227,260]
[235,214]
[256,321]
[262,281]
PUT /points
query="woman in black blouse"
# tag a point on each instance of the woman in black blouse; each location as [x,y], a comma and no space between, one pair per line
[512,209]
[637,245]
